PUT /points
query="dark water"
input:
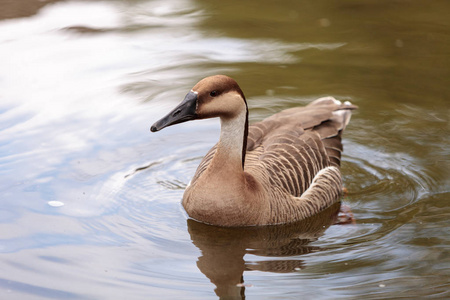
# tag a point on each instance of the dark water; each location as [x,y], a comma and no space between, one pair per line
[90,199]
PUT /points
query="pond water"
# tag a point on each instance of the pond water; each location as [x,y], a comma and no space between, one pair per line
[90,199]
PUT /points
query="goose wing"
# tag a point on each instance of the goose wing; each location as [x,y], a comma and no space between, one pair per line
[288,149]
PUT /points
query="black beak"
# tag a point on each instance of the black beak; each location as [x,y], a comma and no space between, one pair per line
[185,111]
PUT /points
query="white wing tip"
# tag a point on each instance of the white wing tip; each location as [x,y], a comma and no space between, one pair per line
[327,99]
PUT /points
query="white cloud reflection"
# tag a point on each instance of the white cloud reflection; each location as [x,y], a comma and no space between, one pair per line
[68,132]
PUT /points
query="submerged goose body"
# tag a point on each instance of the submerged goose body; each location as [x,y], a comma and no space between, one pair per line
[280,170]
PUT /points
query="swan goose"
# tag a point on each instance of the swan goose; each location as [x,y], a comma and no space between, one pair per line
[280,170]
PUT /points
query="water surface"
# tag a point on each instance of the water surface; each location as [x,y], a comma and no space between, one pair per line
[90,199]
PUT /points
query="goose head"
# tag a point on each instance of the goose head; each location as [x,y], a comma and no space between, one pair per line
[214,96]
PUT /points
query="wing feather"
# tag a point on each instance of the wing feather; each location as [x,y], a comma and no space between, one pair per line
[293,146]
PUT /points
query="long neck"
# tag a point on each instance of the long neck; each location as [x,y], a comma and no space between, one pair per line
[233,138]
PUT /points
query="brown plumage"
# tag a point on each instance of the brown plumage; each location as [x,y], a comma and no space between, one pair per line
[280,170]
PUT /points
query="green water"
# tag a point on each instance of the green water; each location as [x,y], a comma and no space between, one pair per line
[90,199]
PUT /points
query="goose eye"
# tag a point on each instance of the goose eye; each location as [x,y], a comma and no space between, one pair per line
[213,93]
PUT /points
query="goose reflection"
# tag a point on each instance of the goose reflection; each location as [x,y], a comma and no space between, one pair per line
[223,249]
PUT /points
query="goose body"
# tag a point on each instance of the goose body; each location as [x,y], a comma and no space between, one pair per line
[280,170]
